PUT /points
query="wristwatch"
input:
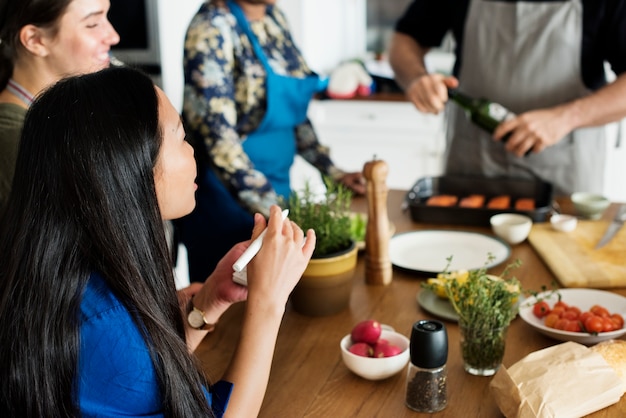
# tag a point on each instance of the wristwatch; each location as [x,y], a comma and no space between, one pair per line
[196,320]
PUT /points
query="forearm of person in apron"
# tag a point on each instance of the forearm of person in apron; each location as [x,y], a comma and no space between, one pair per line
[318,155]
[428,92]
[538,129]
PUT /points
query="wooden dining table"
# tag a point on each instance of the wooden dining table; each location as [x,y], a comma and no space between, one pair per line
[309,378]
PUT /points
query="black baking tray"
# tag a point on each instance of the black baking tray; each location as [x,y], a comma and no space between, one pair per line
[416,197]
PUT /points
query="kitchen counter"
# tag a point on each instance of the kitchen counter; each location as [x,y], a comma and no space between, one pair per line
[375,97]
[309,378]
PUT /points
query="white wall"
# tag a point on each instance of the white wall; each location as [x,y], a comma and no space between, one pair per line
[174,17]
[327,32]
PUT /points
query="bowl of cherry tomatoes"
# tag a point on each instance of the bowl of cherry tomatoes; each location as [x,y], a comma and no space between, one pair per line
[585,316]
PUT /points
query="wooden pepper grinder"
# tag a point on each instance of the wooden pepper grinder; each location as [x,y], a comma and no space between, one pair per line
[377,262]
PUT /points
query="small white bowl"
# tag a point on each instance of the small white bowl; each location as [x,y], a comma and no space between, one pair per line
[373,368]
[563,223]
[590,205]
[511,227]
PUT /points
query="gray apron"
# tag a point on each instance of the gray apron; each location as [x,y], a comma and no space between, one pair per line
[525,56]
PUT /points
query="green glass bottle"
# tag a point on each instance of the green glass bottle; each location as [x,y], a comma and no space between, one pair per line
[484,113]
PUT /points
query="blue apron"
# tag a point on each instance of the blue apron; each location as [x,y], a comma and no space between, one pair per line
[219,221]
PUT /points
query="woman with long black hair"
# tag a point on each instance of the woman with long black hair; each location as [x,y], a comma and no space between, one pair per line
[91,321]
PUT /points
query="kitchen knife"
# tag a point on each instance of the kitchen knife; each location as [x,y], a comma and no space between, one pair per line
[614,226]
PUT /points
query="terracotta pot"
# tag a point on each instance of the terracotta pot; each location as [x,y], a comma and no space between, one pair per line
[326,284]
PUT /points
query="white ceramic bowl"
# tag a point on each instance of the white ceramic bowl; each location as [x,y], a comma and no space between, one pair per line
[377,368]
[563,223]
[590,205]
[511,227]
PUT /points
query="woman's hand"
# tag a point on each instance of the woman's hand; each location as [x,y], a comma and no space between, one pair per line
[354,181]
[278,266]
[219,291]
[272,275]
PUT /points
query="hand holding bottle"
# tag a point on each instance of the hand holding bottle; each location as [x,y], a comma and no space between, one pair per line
[535,130]
[491,117]
[428,92]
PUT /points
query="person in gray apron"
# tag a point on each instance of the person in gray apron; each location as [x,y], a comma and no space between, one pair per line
[531,58]
[222,217]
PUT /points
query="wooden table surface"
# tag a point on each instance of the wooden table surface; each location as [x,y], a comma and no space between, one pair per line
[309,378]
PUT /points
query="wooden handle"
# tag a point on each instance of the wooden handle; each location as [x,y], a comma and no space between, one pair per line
[377,262]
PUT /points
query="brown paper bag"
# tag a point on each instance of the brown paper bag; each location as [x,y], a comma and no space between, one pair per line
[566,380]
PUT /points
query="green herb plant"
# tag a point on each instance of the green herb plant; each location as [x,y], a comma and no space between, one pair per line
[545,292]
[328,215]
[485,308]
[358,227]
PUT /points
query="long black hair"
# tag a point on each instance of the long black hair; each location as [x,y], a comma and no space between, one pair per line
[83,200]
[14,15]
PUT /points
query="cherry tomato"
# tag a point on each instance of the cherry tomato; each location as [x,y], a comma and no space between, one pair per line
[550,320]
[541,309]
[594,324]
[573,326]
[562,324]
[574,309]
[558,310]
[583,316]
[618,320]
[570,314]
[561,304]
[600,311]
[607,324]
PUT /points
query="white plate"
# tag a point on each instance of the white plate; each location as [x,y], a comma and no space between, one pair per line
[437,306]
[583,299]
[428,251]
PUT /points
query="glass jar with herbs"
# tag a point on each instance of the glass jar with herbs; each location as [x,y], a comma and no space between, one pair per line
[486,305]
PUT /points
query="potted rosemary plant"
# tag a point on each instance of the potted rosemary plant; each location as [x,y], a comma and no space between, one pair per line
[326,284]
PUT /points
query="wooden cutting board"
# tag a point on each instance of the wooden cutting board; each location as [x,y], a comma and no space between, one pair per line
[573,259]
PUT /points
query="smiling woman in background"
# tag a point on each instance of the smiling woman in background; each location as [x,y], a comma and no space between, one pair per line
[91,322]
[40,42]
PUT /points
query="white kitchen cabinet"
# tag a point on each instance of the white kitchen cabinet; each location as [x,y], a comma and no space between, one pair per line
[615,169]
[410,142]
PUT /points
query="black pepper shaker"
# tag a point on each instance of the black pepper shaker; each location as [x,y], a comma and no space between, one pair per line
[427,376]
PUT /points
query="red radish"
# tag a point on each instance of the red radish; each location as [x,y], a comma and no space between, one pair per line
[367,331]
[379,347]
[382,341]
[386,350]
[361,349]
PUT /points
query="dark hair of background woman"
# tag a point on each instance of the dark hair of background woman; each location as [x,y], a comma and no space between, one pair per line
[14,15]
[84,200]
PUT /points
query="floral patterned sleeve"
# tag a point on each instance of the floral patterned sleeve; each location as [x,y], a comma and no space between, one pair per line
[225,98]
[210,108]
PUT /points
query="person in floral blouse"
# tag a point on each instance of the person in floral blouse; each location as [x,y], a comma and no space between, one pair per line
[247,89]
